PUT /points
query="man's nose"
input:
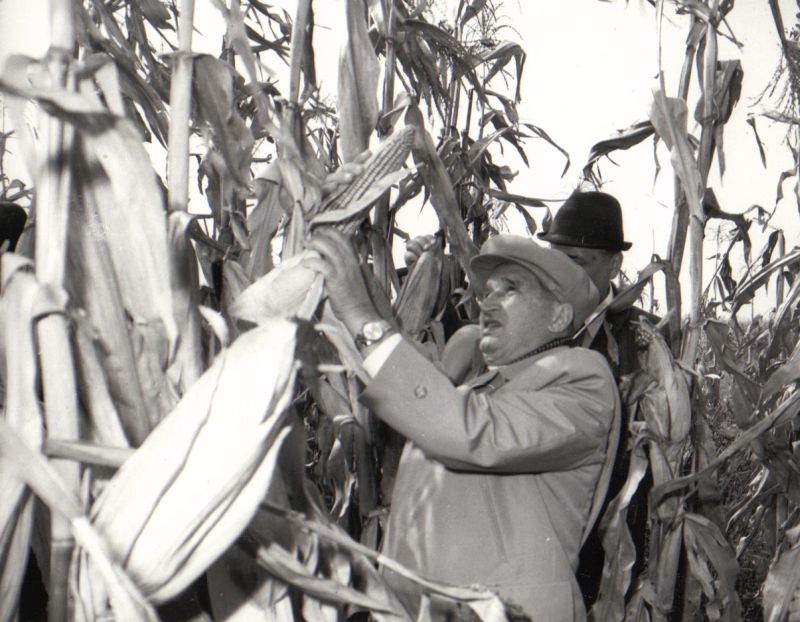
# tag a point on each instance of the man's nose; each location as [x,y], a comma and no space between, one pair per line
[489,301]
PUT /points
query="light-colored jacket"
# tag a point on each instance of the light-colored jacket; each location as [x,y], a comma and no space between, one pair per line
[495,485]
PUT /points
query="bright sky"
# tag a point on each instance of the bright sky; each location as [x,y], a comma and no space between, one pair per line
[590,69]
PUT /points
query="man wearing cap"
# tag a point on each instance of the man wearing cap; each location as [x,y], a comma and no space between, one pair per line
[588,229]
[496,485]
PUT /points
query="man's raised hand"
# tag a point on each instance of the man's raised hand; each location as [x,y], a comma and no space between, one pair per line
[347,292]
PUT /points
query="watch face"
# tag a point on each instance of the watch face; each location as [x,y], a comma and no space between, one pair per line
[373,330]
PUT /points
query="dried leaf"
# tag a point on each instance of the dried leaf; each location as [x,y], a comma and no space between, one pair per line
[782,583]
[669,116]
[31,467]
[212,83]
[624,139]
[20,294]
[620,552]
[440,186]
[263,222]
[712,562]
[358,84]
[93,283]
[188,363]
[748,286]
[106,427]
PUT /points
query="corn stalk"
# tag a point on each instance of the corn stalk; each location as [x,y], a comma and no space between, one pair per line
[52,217]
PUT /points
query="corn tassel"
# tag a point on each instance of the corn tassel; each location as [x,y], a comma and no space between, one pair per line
[184,496]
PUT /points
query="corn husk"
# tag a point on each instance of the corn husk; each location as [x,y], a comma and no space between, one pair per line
[290,290]
[417,299]
[189,490]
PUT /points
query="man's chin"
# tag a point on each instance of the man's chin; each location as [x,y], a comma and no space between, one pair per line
[489,349]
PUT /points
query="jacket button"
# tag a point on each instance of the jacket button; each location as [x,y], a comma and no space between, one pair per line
[420,392]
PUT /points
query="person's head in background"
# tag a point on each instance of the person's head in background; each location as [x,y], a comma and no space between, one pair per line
[588,229]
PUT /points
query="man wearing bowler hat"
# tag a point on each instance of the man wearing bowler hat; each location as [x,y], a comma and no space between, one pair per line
[588,228]
[498,481]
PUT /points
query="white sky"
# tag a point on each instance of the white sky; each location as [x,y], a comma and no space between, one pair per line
[589,72]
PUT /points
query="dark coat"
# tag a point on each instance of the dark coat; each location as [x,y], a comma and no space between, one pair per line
[622,353]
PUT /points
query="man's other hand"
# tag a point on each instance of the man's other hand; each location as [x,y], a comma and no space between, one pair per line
[346,173]
[418,245]
[347,292]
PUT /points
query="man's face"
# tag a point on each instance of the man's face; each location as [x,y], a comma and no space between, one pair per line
[600,265]
[515,314]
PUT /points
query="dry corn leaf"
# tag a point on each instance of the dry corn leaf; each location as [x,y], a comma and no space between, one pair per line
[234,282]
[748,286]
[443,199]
[485,603]
[188,363]
[20,293]
[189,490]
[783,581]
[781,414]
[358,84]
[669,117]
[93,285]
[278,562]
[134,223]
[106,427]
[712,562]
[31,467]
[624,139]
[620,552]
[263,222]
[212,84]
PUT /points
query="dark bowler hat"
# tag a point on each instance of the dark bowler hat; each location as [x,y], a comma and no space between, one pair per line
[588,219]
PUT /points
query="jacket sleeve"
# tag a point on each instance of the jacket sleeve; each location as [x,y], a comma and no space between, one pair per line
[558,424]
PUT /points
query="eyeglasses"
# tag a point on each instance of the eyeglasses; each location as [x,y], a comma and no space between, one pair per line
[500,293]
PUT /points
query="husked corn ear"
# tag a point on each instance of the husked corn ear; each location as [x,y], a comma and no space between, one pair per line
[419,292]
[187,493]
[388,158]
[288,290]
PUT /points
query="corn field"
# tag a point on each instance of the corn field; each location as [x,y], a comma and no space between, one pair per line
[181,436]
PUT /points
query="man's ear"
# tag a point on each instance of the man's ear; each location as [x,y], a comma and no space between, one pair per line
[561,319]
[614,265]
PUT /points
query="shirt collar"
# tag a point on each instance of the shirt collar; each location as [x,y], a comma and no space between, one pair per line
[515,369]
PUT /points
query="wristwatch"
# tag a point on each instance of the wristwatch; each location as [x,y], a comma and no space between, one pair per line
[372,332]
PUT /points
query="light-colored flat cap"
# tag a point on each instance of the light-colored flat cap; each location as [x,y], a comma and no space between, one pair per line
[563,277]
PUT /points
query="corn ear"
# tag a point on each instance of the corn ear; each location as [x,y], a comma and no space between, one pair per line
[184,496]
[290,290]
[417,299]
[387,160]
